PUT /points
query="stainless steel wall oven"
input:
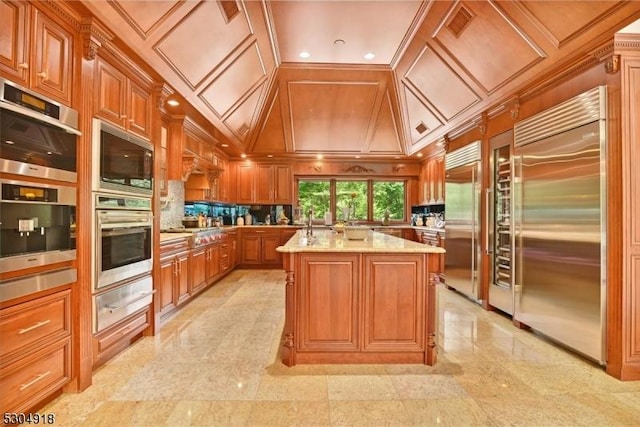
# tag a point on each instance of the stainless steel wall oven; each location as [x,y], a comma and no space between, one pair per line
[37,136]
[123,243]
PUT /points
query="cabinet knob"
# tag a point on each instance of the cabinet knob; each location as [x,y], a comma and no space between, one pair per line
[23,65]
[123,116]
[42,74]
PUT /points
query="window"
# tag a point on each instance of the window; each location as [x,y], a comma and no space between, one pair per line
[388,195]
[314,194]
[359,200]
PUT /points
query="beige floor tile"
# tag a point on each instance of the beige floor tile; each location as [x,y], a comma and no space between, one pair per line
[271,413]
[206,413]
[289,387]
[427,387]
[361,387]
[217,362]
[130,413]
[447,412]
[369,413]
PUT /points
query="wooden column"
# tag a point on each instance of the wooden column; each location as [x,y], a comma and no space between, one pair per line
[623,233]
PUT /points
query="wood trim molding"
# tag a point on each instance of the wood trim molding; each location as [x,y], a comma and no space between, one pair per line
[93,35]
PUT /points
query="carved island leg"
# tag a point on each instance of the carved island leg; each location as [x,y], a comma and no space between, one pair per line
[289,350]
[433,271]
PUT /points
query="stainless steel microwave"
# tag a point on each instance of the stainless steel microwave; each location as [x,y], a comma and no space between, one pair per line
[38,136]
[122,162]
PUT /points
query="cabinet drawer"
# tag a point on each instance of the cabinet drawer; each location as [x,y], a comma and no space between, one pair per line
[28,381]
[43,319]
[126,329]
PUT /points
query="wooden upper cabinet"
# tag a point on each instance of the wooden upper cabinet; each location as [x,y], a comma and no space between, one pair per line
[14,34]
[35,52]
[121,100]
[283,184]
[264,184]
[245,176]
[163,168]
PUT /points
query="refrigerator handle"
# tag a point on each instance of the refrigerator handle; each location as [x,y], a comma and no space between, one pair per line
[488,220]
[516,214]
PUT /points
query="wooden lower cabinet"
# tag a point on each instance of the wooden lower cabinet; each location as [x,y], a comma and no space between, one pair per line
[35,350]
[174,286]
[359,308]
[393,295]
[199,261]
[259,247]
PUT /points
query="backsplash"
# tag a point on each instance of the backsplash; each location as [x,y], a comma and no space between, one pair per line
[172,206]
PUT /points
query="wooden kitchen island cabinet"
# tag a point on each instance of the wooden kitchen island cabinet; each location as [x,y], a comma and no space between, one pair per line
[371,301]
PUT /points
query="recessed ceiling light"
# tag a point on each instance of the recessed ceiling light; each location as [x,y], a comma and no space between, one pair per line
[319,156]
[339,41]
[224,145]
[419,154]
[173,102]
[396,157]
[304,54]
[269,155]
[357,157]
[244,156]
[369,55]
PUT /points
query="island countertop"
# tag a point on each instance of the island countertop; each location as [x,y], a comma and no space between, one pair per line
[330,241]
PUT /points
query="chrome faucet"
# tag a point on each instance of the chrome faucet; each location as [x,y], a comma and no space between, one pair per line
[310,223]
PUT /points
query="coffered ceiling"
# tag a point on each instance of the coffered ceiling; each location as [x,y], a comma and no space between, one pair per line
[438,65]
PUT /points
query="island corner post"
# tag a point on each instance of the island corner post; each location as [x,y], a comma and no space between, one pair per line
[360,305]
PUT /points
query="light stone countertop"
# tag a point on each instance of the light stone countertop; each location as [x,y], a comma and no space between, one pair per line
[330,241]
[165,237]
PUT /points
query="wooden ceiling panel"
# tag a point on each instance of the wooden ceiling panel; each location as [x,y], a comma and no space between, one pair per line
[486,43]
[201,41]
[438,83]
[331,117]
[271,138]
[386,139]
[422,121]
[235,82]
[145,16]
[554,16]
[241,119]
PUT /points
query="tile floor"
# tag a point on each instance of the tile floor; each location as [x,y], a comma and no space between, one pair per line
[215,362]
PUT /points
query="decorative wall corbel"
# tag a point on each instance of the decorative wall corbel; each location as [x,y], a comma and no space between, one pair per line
[189,164]
[514,109]
[481,122]
[94,35]
[357,169]
[612,65]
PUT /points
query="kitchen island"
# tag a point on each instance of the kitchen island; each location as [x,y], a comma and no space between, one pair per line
[359,301]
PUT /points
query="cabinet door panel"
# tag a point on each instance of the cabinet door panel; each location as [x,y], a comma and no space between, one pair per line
[139,119]
[393,303]
[214,262]
[328,292]
[183,277]
[251,249]
[264,184]
[269,253]
[15,41]
[245,178]
[283,184]
[53,59]
[198,269]
[110,92]
[167,279]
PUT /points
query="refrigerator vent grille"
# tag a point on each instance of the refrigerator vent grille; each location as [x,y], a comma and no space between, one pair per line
[585,108]
[462,156]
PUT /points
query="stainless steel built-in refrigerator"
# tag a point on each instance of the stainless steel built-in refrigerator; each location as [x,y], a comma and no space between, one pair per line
[462,194]
[560,225]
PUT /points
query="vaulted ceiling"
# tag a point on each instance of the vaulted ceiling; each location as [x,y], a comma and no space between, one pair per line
[437,65]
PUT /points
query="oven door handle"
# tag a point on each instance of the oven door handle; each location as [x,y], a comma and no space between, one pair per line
[108,232]
[143,295]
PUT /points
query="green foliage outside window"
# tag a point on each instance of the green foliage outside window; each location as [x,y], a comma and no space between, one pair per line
[388,195]
[354,196]
[351,195]
[315,195]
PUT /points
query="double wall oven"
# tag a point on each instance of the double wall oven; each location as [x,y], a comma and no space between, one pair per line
[38,138]
[123,245]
